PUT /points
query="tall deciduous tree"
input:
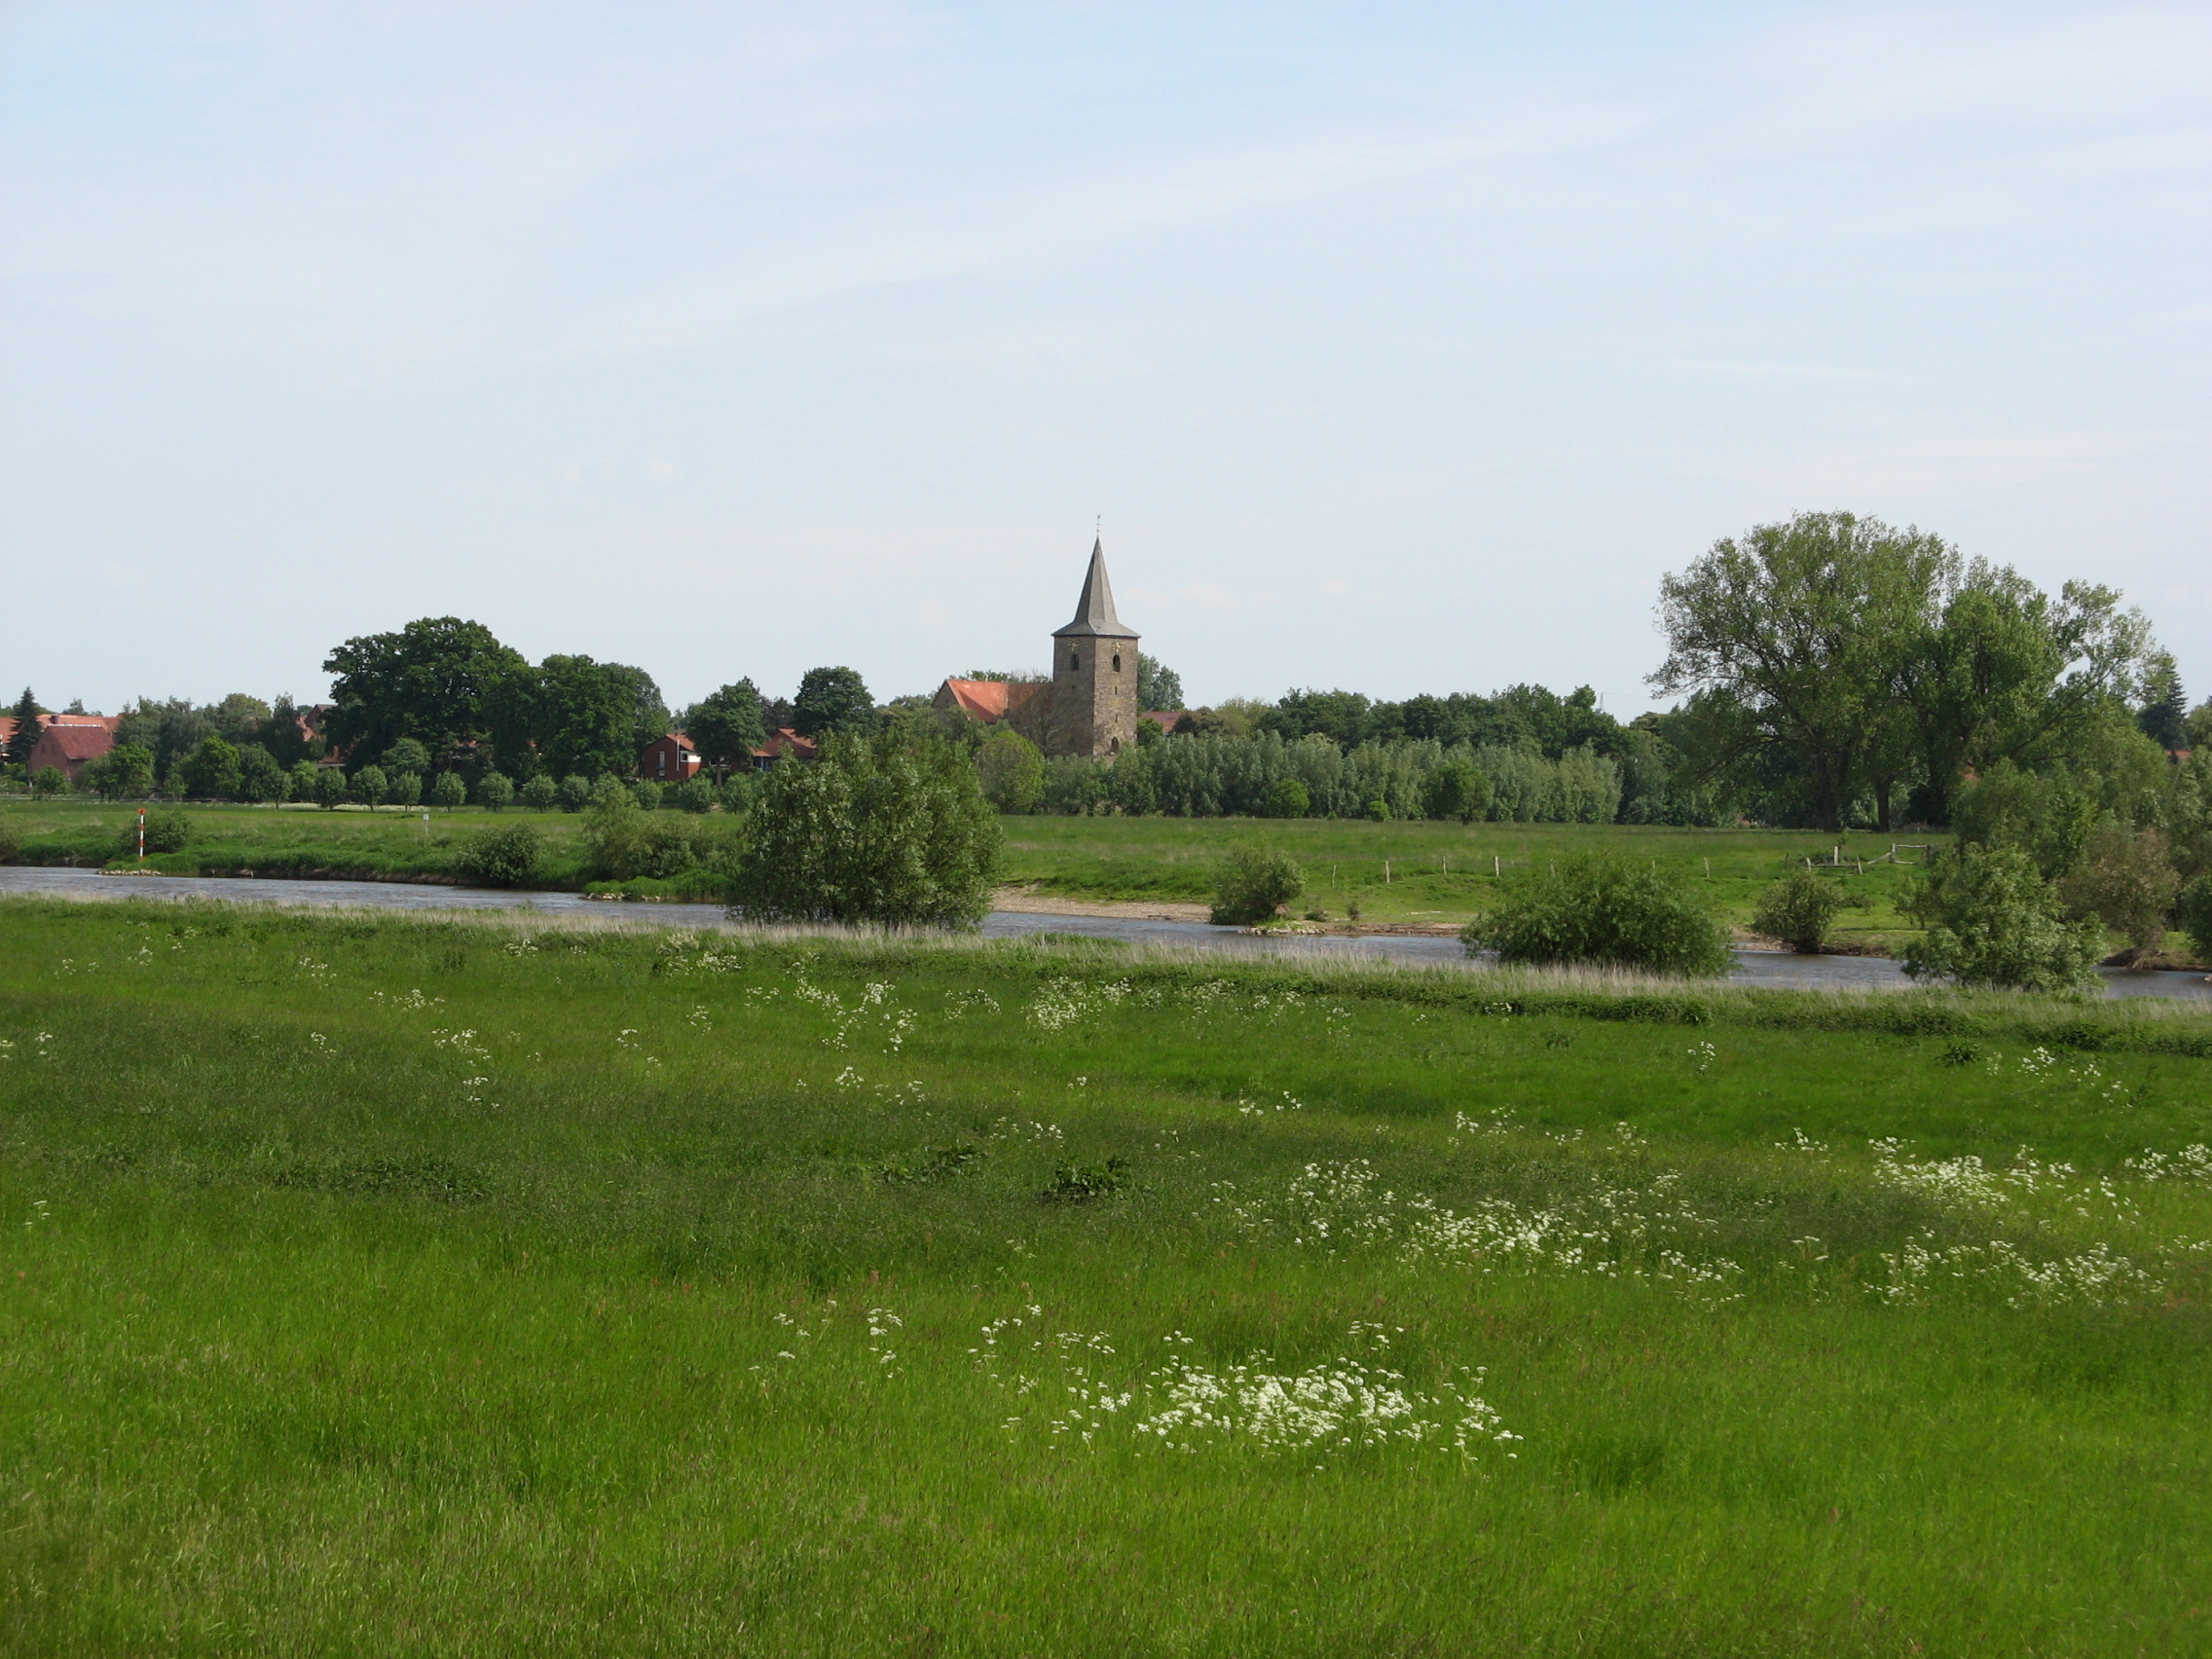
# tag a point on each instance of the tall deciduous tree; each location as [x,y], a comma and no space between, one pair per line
[832,699]
[580,714]
[1799,630]
[1158,686]
[435,681]
[727,726]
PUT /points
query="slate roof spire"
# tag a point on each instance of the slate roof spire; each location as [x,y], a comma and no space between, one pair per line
[1095,611]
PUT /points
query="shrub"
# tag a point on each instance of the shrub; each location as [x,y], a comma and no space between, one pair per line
[539,793]
[1289,798]
[649,794]
[505,857]
[575,793]
[738,791]
[894,830]
[694,795]
[1378,809]
[495,792]
[1993,920]
[166,833]
[2128,881]
[50,781]
[1010,770]
[449,790]
[1455,790]
[1079,1183]
[1252,883]
[2195,913]
[624,842]
[1607,911]
[368,785]
[1798,910]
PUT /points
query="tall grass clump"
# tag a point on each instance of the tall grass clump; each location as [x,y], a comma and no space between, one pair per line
[1606,911]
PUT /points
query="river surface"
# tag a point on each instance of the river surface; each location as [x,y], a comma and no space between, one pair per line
[1752,967]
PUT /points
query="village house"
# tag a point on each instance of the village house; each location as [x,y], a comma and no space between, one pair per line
[66,742]
[668,760]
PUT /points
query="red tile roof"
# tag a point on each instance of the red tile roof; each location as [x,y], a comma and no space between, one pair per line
[978,699]
[784,740]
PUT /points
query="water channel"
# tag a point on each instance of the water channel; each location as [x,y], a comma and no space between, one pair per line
[1752,967]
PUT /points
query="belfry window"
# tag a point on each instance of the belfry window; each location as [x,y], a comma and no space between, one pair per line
[1116,662]
[1075,661]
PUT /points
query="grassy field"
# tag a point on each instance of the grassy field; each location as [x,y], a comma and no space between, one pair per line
[1438,873]
[433,1286]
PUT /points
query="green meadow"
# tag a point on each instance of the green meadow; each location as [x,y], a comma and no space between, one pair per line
[459,1286]
[1406,872]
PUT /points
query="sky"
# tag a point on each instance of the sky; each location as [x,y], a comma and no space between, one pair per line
[1397,347]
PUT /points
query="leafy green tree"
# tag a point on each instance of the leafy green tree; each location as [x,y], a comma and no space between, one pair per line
[2195,918]
[25,738]
[331,786]
[435,681]
[1158,686]
[495,792]
[2049,818]
[649,718]
[538,792]
[1341,716]
[1799,910]
[2128,881]
[889,833]
[408,755]
[1455,790]
[211,772]
[1802,630]
[727,726]
[1254,881]
[50,781]
[1011,770]
[833,700]
[1289,798]
[449,790]
[125,772]
[368,785]
[241,717]
[306,778]
[576,792]
[1608,911]
[403,788]
[169,730]
[1992,920]
[2200,725]
[576,715]
[260,777]
[282,736]
[2002,672]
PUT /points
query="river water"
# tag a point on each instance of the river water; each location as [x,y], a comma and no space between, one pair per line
[1752,967]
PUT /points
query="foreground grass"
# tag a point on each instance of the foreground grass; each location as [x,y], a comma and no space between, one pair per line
[430,1286]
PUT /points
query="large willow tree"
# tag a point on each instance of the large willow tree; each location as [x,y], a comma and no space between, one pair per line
[1855,657]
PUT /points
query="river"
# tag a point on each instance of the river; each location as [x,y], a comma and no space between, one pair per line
[1752,967]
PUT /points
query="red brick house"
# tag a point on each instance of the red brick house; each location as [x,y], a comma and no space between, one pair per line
[668,760]
[785,744]
[69,741]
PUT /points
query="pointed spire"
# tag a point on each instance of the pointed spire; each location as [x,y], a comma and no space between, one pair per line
[1095,611]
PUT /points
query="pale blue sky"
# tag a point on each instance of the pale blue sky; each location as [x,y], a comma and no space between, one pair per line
[1402,347]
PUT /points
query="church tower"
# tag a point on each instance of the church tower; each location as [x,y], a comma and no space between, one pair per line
[1095,674]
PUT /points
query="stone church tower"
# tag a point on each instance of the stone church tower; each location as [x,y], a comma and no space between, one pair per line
[1095,674]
